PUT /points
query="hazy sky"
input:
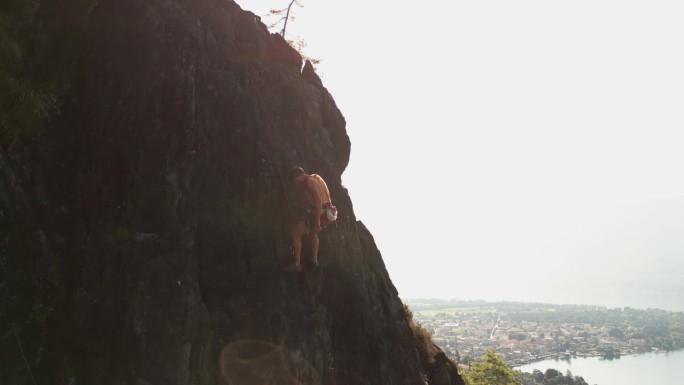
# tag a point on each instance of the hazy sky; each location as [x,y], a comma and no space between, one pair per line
[512,150]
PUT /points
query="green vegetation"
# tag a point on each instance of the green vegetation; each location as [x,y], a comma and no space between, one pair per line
[24,105]
[492,371]
[517,336]
[422,338]
[552,377]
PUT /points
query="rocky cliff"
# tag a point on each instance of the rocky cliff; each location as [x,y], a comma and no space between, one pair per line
[143,233]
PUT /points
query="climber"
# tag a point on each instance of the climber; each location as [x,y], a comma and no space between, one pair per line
[315,191]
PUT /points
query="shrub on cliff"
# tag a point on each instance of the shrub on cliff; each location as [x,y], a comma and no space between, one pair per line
[422,338]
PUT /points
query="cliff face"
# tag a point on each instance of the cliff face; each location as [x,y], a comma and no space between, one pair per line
[144,232]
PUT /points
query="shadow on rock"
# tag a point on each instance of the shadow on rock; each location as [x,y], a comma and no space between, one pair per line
[251,362]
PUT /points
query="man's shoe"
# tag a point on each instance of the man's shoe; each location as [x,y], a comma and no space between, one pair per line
[293,268]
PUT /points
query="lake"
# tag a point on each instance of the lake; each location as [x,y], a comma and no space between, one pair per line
[649,368]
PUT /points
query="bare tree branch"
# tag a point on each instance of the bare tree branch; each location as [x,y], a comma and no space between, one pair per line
[286,18]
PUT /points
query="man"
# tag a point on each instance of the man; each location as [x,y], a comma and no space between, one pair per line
[314,190]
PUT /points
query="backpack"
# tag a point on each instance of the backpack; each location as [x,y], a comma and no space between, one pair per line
[330,214]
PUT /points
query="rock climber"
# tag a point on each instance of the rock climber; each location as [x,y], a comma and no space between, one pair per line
[315,191]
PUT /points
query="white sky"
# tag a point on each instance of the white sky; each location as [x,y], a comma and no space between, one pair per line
[512,150]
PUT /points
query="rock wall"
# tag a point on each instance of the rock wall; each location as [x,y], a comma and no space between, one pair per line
[144,232]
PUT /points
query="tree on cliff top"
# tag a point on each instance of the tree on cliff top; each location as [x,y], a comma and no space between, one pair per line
[285,16]
[491,371]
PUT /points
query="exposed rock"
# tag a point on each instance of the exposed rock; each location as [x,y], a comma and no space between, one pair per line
[443,370]
[142,236]
[310,74]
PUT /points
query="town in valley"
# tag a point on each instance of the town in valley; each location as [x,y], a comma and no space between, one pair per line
[526,332]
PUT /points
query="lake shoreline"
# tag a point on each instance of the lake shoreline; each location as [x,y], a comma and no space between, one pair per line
[599,355]
[660,368]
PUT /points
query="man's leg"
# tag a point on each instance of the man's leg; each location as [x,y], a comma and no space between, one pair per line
[297,233]
[313,233]
[314,247]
